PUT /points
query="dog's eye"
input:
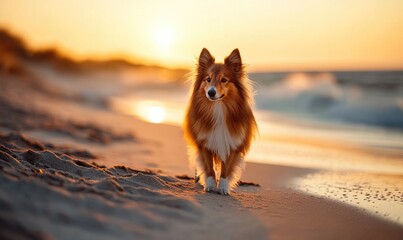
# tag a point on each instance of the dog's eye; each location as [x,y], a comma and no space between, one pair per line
[208,79]
[224,80]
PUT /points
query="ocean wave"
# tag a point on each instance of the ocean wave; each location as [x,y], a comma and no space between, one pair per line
[325,97]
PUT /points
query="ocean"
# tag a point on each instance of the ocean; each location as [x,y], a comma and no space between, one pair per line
[366,98]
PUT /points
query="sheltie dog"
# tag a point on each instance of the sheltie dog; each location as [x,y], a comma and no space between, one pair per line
[219,123]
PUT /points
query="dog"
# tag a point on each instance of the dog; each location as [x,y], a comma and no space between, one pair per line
[219,123]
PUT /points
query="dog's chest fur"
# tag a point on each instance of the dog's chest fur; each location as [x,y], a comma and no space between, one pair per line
[219,139]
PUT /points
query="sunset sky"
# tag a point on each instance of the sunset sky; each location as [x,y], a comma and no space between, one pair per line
[271,35]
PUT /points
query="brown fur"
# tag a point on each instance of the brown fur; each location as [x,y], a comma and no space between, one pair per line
[237,103]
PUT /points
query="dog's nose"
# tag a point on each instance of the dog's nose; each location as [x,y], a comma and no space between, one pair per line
[211,92]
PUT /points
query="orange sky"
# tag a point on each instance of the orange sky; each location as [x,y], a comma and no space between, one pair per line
[272,35]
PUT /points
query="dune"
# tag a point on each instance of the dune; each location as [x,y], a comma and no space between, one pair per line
[73,169]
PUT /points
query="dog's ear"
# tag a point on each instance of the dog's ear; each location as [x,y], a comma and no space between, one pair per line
[234,60]
[205,59]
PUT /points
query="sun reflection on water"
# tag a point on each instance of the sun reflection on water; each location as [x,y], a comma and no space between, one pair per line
[151,111]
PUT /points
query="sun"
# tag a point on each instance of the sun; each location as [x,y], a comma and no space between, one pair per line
[164,37]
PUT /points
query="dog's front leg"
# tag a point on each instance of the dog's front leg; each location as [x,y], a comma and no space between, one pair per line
[229,174]
[208,165]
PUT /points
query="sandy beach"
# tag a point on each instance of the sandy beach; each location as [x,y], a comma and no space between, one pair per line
[72,167]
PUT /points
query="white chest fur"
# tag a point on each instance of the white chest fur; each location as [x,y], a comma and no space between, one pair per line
[219,139]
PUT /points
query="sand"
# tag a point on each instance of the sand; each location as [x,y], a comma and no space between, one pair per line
[73,169]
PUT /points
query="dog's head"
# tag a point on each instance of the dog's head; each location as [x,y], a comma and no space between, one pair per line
[219,79]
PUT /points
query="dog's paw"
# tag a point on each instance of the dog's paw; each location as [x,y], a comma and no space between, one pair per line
[210,185]
[223,187]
